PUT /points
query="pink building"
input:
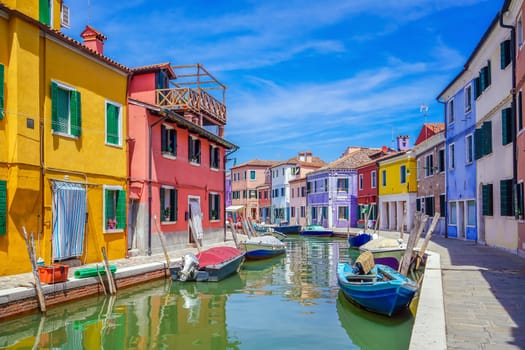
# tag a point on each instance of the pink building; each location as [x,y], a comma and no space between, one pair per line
[176,159]
[298,201]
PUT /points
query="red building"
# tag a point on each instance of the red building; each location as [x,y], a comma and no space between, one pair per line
[176,158]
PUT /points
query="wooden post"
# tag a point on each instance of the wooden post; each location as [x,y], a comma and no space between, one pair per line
[234,234]
[163,244]
[34,268]
[101,281]
[111,282]
[401,230]
[412,241]
[194,233]
[431,229]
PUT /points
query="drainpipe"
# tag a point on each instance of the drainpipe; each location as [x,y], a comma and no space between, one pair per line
[446,197]
[150,171]
[514,112]
[224,213]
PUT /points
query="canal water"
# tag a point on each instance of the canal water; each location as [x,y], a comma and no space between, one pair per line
[289,302]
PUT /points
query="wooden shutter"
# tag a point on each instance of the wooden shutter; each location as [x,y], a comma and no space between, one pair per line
[108,210]
[488,73]
[174,205]
[174,141]
[76,122]
[161,200]
[112,116]
[487,137]
[3,207]
[55,123]
[418,204]
[44,12]
[506,197]
[477,87]
[506,126]
[121,209]
[190,148]
[2,91]
[505,53]
[163,138]
[520,111]
[487,199]
[442,205]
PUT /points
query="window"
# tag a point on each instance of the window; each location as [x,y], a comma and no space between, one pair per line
[519,194]
[314,213]
[292,214]
[505,53]
[374,180]
[451,111]
[342,184]
[303,191]
[468,98]
[506,126]
[471,213]
[418,204]
[65,110]
[46,12]
[442,205]
[325,185]
[418,168]
[429,206]
[243,194]
[519,32]
[114,208]
[452,157]
[453,214]
[215,157]
[303,211]
[486,193]
[520,110]
[252,194]
[483,140]
[168,141]
[403,174]
[383,178]
[194,150]
[282,192]
[441,160]
[1,91]
[252,174]
[162,80]
[485,77]
[3,207]
[506,197]
[168,204]
[113,124]
[429,165]
[468,149]
[214,206]
[361,185]
[342,213]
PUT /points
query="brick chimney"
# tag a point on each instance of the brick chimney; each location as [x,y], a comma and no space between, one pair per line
[402,143]
[308,156]
[93,39]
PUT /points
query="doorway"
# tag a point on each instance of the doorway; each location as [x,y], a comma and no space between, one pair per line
[195,216]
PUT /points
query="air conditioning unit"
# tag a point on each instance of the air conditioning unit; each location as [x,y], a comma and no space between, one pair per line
[64,17]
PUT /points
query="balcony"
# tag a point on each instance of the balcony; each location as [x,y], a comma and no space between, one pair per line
[192,93]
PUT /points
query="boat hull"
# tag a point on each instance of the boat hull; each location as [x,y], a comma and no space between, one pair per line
[358,240]
[385,297]
[288,229]
[387,256]
[256,251]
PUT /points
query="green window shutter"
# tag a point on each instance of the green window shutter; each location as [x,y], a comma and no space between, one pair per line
[211,157]
[506,198]
[418,204]
[487,137]
[190,148]
[174,205]
[112,116]
[520,111]
[505,53]
[477,87]
[1,91]
[506,126]
[76,121]
[210,205]
[3,207]
[482,80]
[487,200]
[55,123]
[488,73]
[442,205]
[44,12]
[163,138]
[478,144]
[108,210]
[121,209]
[161,194]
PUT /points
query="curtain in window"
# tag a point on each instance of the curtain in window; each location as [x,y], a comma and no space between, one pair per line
[69,215]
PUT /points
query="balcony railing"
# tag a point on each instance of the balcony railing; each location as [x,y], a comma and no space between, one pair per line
[192,100]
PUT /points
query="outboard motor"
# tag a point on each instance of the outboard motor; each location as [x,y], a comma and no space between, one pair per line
[190,265]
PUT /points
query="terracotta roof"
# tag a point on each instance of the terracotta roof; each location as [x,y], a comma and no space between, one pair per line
[62,37]
[378,159]
[352,159]
[315,162]
[257,162]
[428,130]
[155,67]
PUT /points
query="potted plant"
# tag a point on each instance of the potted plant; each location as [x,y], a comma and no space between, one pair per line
[166,214]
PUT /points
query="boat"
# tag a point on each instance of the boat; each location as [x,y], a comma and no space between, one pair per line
[288,229]
[359,239]
[211,265]
[279,235]
[317,231]
[386,251]
[262,247]
[375,287]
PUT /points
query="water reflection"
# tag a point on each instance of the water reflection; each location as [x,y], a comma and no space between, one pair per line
[286,302]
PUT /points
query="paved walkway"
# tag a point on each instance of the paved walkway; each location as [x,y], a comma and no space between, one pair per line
[483,292]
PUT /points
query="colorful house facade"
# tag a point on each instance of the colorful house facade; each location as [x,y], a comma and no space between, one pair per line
[430,159]
[63,141]
[264,198]
[397,188]
[332,189]
[176,159]
[298,201]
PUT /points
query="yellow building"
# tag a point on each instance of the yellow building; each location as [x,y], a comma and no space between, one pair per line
[63,148]
[397,190]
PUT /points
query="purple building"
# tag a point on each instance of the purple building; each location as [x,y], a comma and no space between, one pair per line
[332,190]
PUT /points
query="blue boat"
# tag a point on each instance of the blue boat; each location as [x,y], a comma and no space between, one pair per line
[382,290]
[317,231]
[263,247]
[288,229]
[359,239]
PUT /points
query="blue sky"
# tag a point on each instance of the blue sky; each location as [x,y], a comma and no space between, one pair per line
[303,75]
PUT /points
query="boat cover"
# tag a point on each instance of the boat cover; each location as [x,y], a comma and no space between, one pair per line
[217,255]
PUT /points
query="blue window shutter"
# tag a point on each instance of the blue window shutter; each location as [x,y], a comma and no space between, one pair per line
[76,121]
[3,207]
[1,91]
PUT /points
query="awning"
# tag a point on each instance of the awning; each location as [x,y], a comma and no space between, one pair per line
[234,207]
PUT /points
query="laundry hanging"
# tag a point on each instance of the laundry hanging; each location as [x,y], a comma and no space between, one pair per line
[69,216]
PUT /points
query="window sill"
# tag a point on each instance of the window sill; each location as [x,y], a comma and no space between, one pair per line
[168,222]
[195,163]
[215,220]
[70,136]
[169,155]
[114,145]
[117,230]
